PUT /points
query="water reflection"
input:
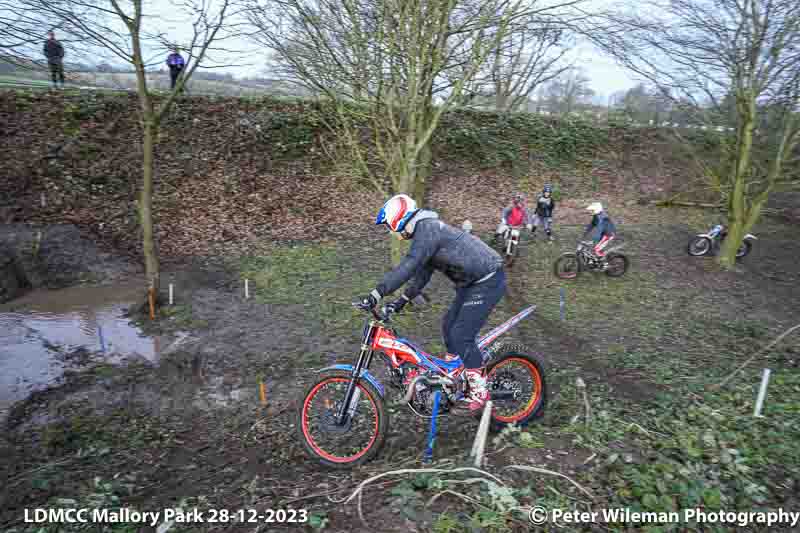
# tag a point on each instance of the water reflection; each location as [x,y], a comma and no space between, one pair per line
[39,329]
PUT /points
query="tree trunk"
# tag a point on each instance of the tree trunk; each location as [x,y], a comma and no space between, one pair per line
[146,209]
[737,205]
[423,172]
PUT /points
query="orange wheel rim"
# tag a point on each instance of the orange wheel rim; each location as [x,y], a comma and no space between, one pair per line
[536,393]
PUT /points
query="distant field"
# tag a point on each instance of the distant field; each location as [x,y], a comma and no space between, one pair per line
[156,81]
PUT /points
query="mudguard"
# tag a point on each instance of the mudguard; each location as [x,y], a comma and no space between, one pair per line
[364,374]
[706,235]
[751,236]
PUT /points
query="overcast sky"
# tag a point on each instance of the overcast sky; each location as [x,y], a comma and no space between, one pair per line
[606,76]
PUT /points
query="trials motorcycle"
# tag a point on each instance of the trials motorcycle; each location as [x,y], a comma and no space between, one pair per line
[583,259]
[703,243]
[343,419]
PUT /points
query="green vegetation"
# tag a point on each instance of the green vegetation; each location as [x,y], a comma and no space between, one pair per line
[667,444]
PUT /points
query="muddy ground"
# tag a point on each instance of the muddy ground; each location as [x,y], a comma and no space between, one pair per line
[190,430]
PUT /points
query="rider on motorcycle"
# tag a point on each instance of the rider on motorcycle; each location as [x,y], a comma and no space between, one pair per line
[602,228]
[544,212]
[474,268]
[514,215]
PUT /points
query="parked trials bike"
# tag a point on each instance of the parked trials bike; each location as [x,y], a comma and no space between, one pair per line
[570,264]
[343,419]
[703,243]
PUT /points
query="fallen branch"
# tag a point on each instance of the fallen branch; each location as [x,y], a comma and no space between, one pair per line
[751,359]
[553,473]
[366,482]
[457,494]
[667,203]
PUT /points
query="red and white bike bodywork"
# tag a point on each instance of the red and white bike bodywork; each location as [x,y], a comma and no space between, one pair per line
[410,369]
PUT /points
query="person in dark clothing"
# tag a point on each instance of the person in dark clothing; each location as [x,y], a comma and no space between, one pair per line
[474,268]
[601,227]
[175,63]
[544,212]
[54,53]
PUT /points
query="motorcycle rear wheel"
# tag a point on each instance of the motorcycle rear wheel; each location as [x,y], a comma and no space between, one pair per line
[499,376]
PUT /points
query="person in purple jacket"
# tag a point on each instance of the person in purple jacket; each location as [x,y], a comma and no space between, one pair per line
[175,63]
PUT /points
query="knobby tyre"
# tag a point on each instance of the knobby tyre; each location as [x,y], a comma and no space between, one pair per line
[699,246]
[341,447]
[744,249]
[567,266]
[617,265]
[515,369]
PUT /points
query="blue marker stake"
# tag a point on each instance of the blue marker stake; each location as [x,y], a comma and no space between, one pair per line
[100,336]
[432,434]
[562,304]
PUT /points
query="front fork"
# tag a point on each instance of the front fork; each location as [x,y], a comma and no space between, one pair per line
[353,394]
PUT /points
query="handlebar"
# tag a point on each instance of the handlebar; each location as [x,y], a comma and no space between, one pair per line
[383,314]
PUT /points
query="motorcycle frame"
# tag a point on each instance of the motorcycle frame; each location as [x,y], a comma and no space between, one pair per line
[378,336]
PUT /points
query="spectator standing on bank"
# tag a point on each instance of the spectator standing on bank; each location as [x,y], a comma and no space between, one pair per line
[175,63]
[54,53]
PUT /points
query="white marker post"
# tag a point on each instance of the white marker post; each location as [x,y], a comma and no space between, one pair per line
[44,203]
[246,289]
[762,393]
[483,432]
[170,294]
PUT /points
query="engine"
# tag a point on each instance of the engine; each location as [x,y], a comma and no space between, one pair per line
[423,397]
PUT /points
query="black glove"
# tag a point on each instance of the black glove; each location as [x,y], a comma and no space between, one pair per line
[397,305]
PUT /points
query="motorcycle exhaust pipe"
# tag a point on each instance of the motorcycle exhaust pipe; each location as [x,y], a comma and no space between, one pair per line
[436,380]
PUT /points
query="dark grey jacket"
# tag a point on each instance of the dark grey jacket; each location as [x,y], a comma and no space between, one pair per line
[53,51]
[459,255]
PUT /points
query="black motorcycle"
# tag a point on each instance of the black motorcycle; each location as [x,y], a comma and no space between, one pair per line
[570,264]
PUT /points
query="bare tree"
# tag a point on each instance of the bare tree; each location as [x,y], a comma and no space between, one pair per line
[394,66]
[699,51]
[569,89]
[122,28]
[531,55]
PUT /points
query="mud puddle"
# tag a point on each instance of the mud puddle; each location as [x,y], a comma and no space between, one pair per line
[46,332]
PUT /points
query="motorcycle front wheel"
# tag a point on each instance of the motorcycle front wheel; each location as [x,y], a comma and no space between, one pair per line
[567,266]
[617,265]
[744,249]
[361,436]
[699,246]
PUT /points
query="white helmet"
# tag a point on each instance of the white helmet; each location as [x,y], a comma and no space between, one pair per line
[396,212]
[595,208]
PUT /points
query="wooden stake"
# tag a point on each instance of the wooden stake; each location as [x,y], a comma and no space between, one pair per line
[151,298]
[262,393]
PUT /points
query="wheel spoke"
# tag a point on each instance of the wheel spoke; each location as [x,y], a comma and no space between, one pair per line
[330,440]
